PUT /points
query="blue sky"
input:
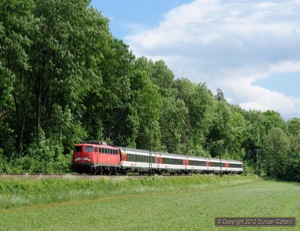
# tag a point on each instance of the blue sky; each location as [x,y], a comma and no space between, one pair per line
[127,16]
[250,49]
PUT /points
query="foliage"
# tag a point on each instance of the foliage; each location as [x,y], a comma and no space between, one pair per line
[65,78]
[276,149]
[282,155]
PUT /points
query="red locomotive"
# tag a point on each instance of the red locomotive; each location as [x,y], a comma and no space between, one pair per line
[95,157]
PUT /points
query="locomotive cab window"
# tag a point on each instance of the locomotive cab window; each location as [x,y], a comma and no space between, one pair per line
[77,149]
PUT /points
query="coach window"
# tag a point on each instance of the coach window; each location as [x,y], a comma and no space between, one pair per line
[132,157]
[128,157]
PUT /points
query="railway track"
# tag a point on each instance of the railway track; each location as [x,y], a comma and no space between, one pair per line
[79,176]
[55,176]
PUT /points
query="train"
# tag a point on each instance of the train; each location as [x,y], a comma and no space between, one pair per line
[100,158]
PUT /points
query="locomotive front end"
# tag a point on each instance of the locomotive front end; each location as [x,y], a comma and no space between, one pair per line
[83,157]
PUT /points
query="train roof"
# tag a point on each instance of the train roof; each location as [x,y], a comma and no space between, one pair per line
[172,155]
[230,161]
[163,154]
[140,151]
[135,151]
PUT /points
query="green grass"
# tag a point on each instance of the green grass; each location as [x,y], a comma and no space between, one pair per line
[16,192]
[150,204]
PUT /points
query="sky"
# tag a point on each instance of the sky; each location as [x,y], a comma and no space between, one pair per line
[249,49]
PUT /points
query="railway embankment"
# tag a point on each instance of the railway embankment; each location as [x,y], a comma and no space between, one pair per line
[27,190]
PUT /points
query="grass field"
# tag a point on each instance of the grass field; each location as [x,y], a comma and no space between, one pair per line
[157,204]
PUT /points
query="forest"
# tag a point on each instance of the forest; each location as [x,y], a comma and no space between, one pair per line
[65,78]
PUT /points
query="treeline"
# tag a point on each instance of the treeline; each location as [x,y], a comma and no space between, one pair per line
[64,78]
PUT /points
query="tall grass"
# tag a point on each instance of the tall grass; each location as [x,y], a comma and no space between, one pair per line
[15,192]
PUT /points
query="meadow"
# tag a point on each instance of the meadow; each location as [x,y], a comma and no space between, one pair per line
[150,203]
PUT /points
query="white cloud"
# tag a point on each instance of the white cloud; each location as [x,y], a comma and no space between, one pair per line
[229,45]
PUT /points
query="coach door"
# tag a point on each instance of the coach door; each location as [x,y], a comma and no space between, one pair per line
[186,163]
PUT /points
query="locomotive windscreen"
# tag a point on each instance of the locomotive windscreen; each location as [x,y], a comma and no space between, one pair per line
[77,149]
[88,148]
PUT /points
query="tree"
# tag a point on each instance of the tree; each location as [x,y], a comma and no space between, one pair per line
[66,52]
[174,125]
[199,102]
[218,134]
[273,119]
[293,126]
[276,148]
[16,25]
[163,77]
[236,134]
[147,104]
[220,95]
[293,158]
[255,134]
[110,115]
[49,57]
